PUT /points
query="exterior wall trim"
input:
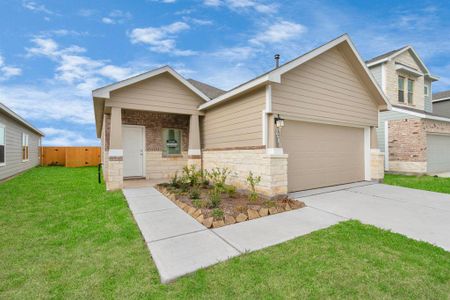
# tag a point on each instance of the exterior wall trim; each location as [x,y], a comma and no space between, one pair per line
[420,115]
[236,148]
[383,77]
[367,155]
[115,152]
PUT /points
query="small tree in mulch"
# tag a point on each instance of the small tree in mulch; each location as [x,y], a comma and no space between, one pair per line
[252,182]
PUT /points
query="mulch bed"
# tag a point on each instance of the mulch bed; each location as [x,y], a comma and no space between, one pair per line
[236,209]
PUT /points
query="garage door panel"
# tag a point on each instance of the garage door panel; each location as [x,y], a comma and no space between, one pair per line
[438,153]
[322,155]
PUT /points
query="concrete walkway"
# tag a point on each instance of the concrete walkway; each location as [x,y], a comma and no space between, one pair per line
[180,245]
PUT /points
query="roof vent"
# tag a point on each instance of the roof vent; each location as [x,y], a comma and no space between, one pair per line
[277,60]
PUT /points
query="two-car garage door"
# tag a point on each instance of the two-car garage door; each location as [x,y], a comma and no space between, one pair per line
[322,155]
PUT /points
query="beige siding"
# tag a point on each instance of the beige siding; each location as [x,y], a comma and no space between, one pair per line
[13,147]
[392,80]
[162,93]
[236,123]
[325,89]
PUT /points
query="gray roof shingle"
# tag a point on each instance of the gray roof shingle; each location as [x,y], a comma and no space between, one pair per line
[387,54]
[210,91]
[441,95]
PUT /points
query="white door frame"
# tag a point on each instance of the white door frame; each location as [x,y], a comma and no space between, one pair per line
[144,171]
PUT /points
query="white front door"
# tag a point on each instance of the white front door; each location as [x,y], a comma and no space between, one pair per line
[133,151]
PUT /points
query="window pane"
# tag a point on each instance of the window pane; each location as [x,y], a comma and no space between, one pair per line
[401,96]
[2,136]
[410,85]
[172,140]
[2,154]
[401,83]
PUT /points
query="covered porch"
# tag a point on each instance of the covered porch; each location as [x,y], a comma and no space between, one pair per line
[143,148]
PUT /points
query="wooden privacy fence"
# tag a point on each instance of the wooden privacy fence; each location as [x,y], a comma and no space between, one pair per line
[70,156]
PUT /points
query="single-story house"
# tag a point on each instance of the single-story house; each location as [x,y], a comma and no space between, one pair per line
[414,138]
[20,144]
[153,124]
[441,103]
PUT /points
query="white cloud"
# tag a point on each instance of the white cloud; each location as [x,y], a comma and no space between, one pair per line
[117,17]
[161,39]
[86,12]
[236,53]
[63,137]
[196,21]
[239,5]
[279,32]
[7,71]
[36,7]
[212,2]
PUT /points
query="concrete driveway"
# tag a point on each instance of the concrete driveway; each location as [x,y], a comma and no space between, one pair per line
[420,215]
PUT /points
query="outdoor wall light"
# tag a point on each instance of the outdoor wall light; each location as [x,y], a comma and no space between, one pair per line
[279,121]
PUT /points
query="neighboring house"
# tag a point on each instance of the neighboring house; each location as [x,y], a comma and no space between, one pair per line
[19,144]
[153,124]
[441,104]
[413,138]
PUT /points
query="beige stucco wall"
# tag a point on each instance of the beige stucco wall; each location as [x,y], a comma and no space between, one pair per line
[325,89]
[162,93]
[272,169]
[392,80]
[235,123]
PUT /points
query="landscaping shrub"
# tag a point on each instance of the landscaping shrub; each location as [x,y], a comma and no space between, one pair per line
[195,193]
[214,198]
[253,181]
[217,213]
[192,176]
[198,203]
[218,176]
[230,190]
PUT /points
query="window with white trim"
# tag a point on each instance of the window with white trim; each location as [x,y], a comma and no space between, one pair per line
[410,91]
[171,141]
[24,147]
[401,89]
[2,145]
[425,90]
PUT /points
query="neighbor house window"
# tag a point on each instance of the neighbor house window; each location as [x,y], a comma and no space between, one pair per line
[172,141]
[425,90]
[24,146]
[401,89]
[410,91]
[2,145]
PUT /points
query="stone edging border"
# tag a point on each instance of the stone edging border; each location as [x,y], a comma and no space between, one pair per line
[250,214]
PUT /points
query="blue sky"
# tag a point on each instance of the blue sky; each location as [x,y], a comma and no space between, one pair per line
[53,53]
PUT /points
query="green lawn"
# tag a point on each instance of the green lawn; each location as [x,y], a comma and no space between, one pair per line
[428,183]
[63,236]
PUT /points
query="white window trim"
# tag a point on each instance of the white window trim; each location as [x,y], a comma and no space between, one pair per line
[427,89]
[4,137]
[403,89]
[27,144]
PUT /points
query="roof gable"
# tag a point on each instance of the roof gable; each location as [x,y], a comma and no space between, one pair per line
[275,74]
[105,92]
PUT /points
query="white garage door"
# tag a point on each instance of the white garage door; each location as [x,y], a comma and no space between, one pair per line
[438,153]
[322,155]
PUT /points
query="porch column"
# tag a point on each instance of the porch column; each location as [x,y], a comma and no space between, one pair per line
[376,157]
[194,150]
[114,178]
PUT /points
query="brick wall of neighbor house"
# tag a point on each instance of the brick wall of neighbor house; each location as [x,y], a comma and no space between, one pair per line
[272,169]
[432,126]
[407,146]
[158,166]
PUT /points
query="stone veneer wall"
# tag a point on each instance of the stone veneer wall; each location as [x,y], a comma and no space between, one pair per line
[271,168]
[114,174]
[160,167]
[408,143]
[377,164]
